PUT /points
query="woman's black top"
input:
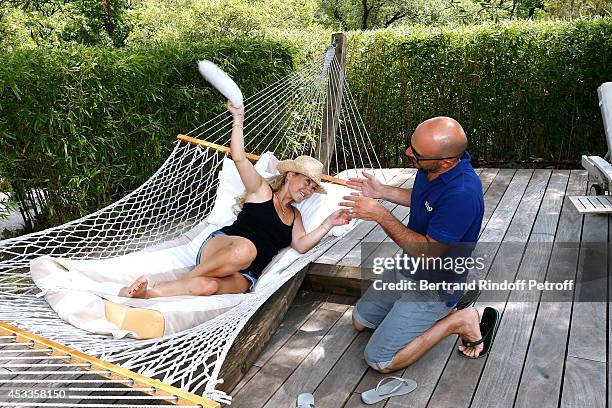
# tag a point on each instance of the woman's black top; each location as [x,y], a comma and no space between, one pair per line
[260,224]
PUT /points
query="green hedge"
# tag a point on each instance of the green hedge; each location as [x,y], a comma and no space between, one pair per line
[90,124]
[523,91]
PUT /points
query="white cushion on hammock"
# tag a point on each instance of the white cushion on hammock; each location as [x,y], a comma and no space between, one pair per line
[78,289]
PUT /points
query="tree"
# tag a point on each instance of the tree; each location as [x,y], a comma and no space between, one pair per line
[371,14]
[54,22]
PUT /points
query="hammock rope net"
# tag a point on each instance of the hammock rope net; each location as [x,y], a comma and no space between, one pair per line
[289,118]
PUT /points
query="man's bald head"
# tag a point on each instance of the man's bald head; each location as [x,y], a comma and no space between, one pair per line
[440,137]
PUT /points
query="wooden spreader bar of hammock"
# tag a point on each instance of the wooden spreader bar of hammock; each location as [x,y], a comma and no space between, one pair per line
[250,156]
[92,365]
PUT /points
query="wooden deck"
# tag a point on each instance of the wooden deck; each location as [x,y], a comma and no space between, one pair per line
[547,353]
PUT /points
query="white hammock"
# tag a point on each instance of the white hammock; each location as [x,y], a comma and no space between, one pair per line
[285,118]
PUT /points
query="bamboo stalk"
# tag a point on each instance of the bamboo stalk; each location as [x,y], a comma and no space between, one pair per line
[250,156]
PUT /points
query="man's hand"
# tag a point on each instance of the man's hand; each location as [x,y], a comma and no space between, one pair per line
[369,186]
[364,208]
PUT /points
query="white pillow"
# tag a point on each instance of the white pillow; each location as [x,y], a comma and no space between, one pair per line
[315,209]
[230,187]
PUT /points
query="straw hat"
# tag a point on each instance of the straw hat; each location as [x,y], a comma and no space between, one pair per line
[306,165]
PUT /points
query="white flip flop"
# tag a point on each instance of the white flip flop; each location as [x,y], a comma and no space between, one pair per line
[388,387]
[305,400]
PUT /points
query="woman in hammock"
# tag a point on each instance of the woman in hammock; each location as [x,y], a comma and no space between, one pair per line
[231,260]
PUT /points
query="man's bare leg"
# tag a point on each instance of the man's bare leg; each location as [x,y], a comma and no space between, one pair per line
[465,323]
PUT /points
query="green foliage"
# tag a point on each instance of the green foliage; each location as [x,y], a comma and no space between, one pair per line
[63,23]
[521,90]
[195,20]
[89,125]
[373,14]
[578,8]
[115,23]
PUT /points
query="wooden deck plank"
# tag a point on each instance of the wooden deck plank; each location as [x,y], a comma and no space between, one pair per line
[339,384]
[303,307]
[584,384]
[354,401]
[543,369]
[516,217]
[486,178]
[524,218]
[276,370]
[584,381]
[588,326]
[247,377]
[317,364]
[337,251]
[495,193]
[501,218]
[505,363]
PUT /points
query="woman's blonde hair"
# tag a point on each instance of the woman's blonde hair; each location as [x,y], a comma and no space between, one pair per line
[275,182]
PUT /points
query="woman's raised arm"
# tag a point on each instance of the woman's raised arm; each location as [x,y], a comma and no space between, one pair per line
[251,179]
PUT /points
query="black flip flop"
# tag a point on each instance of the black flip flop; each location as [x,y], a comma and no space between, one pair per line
[488,329]
[468,299]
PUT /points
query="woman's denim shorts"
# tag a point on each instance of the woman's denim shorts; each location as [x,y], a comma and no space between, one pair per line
[245,272]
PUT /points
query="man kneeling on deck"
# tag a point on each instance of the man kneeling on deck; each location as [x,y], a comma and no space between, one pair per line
[447,208]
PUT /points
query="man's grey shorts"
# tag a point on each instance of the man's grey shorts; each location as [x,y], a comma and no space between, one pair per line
[398,317]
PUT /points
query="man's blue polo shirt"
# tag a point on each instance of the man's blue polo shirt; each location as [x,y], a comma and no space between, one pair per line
[449,209]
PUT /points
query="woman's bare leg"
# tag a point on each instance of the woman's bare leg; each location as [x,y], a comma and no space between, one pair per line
[136,289]
[201,286]
[222,256]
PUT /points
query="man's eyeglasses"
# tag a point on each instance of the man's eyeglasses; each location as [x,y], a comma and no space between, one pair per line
[419,158]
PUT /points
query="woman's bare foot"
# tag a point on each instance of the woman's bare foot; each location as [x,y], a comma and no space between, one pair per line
[138,289]
[470,331]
